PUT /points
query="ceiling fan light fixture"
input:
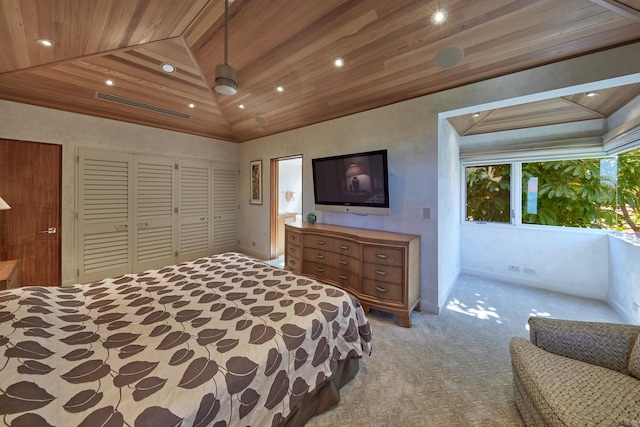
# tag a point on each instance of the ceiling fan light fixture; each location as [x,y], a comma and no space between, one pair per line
[226,75]
[226,80]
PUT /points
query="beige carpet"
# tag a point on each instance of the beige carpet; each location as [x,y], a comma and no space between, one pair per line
[453,369]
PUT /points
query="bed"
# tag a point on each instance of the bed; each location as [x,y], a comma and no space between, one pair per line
[219,341]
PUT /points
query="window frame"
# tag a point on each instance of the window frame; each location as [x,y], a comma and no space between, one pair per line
[516,186]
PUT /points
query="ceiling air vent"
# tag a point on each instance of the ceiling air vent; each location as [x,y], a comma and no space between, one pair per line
[138,104]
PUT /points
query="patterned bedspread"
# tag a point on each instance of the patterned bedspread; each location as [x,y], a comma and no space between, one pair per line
[219,341]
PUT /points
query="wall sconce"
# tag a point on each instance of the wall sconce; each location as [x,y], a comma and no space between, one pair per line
[3,205]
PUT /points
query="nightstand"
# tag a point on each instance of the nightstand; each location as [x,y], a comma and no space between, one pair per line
[9,274]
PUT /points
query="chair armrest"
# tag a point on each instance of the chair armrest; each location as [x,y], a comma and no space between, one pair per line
[604,344]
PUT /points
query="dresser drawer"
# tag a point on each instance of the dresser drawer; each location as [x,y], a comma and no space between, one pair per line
[382,273]
[292,237]
[293,263]
[293,250]
[382,290]
[332,244]
[340,261]
[344,278]
[9,274]
[382,255]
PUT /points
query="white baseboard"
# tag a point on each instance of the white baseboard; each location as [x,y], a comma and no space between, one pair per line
[254,253]
[428,307]
[555,287]
[626,316]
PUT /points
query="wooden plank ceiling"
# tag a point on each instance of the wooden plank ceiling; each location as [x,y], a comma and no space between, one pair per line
[388,47]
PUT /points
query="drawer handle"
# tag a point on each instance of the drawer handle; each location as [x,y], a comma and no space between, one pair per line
[344,247]
[343,262]
[381,273]
[292,237]
[292,262]
[321,243]
[382,256]
[320,270]
[343,277]
[383,290]
[292,250]
[320,256]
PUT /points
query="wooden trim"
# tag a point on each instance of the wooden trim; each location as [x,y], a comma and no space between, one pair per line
[619,8]
[273,208]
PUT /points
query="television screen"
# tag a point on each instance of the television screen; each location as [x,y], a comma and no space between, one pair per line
[355,183]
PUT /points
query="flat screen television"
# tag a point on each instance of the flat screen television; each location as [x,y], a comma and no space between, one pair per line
[353,183]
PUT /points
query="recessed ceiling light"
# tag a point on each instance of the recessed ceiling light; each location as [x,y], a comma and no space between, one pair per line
[168,68]
[109,82]
[475,115]
[338,62]
[45,42]
[241,106]
[192,105]
[592,94]
[279,88]
[439,16]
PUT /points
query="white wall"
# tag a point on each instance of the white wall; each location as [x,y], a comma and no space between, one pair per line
[30,123]
[449,210]
[290,179]
[417,159]
[624,277]
[570,261]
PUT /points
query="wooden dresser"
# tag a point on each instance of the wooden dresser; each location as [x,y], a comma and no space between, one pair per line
[381,268]
[9,274]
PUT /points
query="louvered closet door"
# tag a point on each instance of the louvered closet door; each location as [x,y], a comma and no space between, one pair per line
[155,230]
[194,204]
[104,214]
[225,208]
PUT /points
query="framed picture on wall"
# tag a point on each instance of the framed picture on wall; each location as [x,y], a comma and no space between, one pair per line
[256,182]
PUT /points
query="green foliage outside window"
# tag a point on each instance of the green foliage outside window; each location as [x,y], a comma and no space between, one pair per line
[488,193]
[588,193]
[571,193]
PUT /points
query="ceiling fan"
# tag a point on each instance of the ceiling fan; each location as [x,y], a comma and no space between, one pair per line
[225,74]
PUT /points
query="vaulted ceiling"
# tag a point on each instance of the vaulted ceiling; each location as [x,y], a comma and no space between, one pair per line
[388,47]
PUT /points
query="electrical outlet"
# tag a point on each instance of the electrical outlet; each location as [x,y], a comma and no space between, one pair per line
[634,307]
[514,268]
[528,270]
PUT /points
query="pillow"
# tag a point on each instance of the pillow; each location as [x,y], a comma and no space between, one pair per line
[634,360]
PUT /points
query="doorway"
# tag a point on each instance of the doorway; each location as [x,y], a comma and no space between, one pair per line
[30,182]
[286,199]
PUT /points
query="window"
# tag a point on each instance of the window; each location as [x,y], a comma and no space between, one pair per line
[568,193]
[602,193]
[488,193]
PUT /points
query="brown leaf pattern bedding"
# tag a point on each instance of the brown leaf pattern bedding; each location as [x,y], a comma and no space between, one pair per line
[219,341]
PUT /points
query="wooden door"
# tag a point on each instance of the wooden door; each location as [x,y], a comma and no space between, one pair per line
[30,182]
